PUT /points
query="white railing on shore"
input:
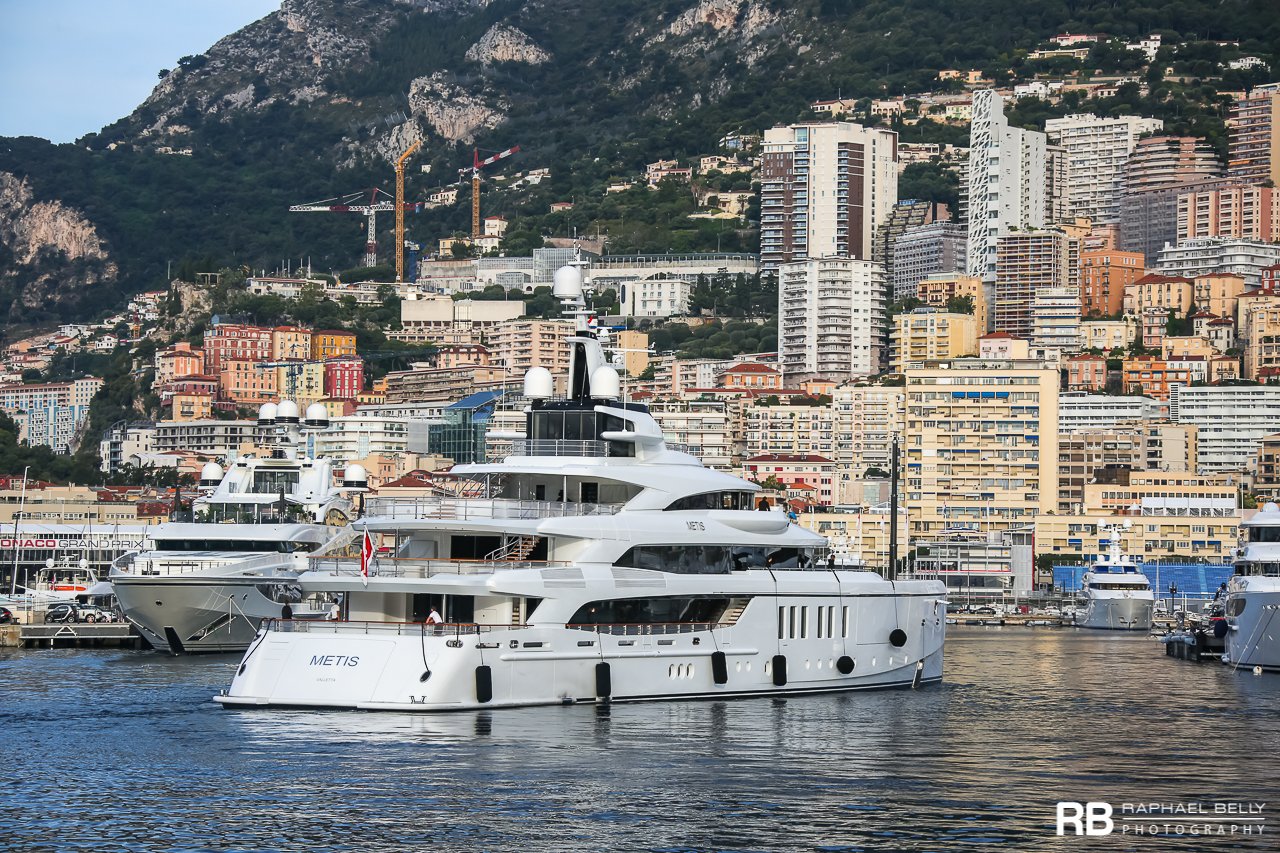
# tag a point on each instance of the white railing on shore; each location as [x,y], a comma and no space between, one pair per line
[411,568]
[469,509]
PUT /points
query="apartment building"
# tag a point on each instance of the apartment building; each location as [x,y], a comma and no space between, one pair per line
[1254,138]
[211,439]
[235,342]
[1152,377]
[831,319]
[824,189]
[981,443]
[1165,292]
[1261,340]
[423,384]
[938,290]
[247,384]
[1026,263]
[1098,150]
[1162,162]
[1266,477]
[343,377]
[1005,182]
[789,429]
[50,413]
[125,444]
[807,476]
[700,425]
[867,417]
[523,344]
[1082,412]
[660,285]
[930,334]
[1250,212]
[905,215]
[1096,455]
[290,343]
[926,250]
[1086,372]
[1208,255]
[1103,277]
[177,361]
[332,343]
[1232,422]
[435,318]
[1055,322]
[1106,335]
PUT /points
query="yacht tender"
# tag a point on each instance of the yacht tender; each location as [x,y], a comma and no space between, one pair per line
[1118,597]
[205,586]
[1253,594]
[598,563]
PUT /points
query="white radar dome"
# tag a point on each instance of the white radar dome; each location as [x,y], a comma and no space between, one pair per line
[211,474]
[1271,506]
[568,283]
[287,412]
[317,415]
[605,384]
[355,477]
[539,384]
[267,413]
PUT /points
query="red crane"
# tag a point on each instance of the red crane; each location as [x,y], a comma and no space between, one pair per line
[476,166]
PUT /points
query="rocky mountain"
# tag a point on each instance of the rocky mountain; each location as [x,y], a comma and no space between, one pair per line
[318,98]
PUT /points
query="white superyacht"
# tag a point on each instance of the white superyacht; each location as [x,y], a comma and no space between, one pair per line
[1118,597]
[601,564]
[205,585]
[1253,594]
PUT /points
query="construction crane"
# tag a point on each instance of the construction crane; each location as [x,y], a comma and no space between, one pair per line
[346,204]
[476,165]
[400,209]
[292,369]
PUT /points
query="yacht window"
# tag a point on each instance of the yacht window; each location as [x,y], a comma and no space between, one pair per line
[272,546]
[712,500]
[679,559]
[589,493]
[1130,586]
[271,482]
[652,611]
[1264,534]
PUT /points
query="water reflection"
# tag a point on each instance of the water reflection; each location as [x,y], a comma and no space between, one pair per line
[126,750]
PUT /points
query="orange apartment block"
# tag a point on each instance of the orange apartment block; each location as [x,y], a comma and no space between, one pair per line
[936,290]
[177,361]
[1086,372]
[1104,275]
[245,384]
[751,374]
[1218,293]
[1152,377]
[332,343]
[191,406]
[1159,291]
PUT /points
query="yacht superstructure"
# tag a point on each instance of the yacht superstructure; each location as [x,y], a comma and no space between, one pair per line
[596,562]
[205,585]
[1118,597]
[1253,594]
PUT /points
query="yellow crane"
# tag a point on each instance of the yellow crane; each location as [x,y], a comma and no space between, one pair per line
[400,209]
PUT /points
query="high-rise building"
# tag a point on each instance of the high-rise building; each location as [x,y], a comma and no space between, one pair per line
[824,188]
[981,444]
[1161,162]
[1026,263]
[1098,149]
[903,216]
[1254,126]
[1055,321]
[831,319]
[1103,278]
[924,251]
[927,334]
[1232,419]
[1057,186]
[1206,255]
[1006,181]
[50,413]
[1240,210]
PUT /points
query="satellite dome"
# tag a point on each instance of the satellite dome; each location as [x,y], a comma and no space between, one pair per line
[211,473]
[568,283]
[287,412]
[355,477]
[605,384]
[267,414]
[1271,506]
[538,384]
[317,415]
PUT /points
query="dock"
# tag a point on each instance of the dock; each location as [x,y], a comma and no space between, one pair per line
[71,635]
[1160,622]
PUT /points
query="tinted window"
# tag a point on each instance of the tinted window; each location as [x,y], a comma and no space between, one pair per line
[650,611]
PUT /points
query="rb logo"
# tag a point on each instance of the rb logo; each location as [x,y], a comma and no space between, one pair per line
[1086,818]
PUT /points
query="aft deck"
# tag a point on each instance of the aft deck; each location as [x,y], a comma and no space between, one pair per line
[411,568]
[478,509]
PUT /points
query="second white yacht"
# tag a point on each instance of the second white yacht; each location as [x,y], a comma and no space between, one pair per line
[205,585]
[1253,594]
[601,565]
[1118,597]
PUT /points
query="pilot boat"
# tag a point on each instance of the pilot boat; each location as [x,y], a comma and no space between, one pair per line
[594,563]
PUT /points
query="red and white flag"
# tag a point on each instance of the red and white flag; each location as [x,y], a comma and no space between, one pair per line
[366,557]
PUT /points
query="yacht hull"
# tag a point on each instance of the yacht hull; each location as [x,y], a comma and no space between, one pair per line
[1117,614]
[193,615]
[1253,620]
[409,667]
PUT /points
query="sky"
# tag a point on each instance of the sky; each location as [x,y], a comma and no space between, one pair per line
[71,67]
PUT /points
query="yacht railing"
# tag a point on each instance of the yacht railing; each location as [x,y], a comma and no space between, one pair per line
[151,565]
[455,630]
[645,629]
[567,447]
[468,509]
[418,568]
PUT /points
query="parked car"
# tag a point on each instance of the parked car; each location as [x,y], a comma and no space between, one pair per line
[65,611]
[94,613]
[6,616]
[986,610]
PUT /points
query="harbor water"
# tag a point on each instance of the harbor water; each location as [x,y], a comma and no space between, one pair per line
[122,750]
